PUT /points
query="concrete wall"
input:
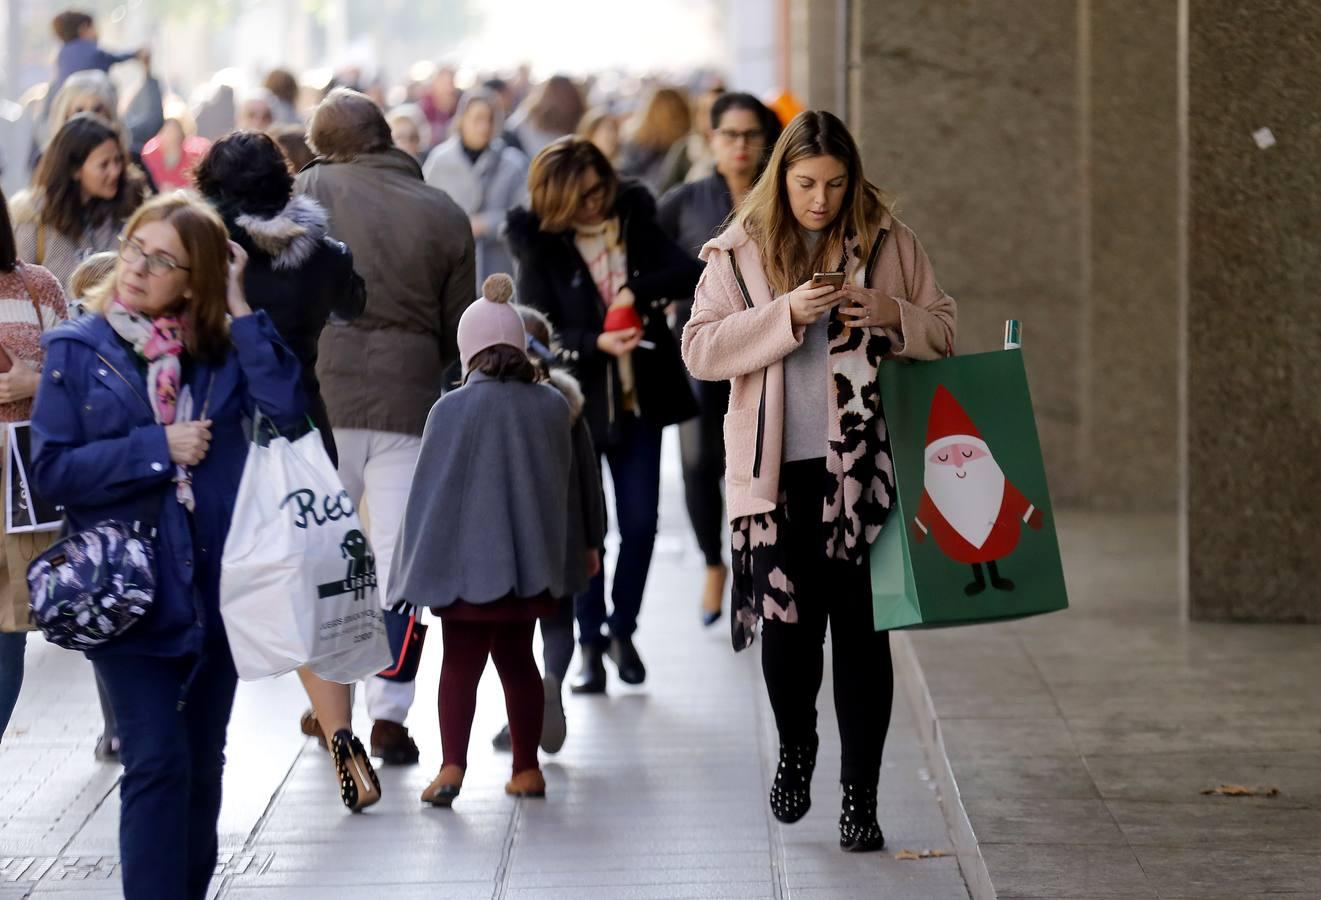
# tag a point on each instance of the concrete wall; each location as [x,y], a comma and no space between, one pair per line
[1129,401]
[970,113]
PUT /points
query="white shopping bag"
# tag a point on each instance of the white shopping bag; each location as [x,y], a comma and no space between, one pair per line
[298,578]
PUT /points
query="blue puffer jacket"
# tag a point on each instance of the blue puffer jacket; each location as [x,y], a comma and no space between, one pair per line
[98,452]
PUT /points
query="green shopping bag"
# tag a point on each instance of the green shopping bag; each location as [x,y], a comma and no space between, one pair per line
[972,538]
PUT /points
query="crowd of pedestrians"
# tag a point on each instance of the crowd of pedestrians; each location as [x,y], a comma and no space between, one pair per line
[482,298]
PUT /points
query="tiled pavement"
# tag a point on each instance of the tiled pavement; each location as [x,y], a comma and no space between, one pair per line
[1080,743]
[659,792]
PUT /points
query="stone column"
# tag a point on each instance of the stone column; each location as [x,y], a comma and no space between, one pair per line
[1252,420]
[970,114]
[1129,436]
[817,54]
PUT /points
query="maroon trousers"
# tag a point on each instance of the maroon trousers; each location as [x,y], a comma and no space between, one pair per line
[468,644]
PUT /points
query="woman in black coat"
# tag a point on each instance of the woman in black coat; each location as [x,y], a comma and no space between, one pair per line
[304,280]
[589,248]
[301,276]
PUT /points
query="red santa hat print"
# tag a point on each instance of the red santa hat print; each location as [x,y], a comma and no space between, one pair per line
[949,424]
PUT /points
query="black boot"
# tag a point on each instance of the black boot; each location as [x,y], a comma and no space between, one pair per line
[979,584]
[858,831]
[591,675]
[791,794]
[1000,584]
[626,660]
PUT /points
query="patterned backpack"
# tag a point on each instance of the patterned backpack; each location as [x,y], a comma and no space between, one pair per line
[93,586]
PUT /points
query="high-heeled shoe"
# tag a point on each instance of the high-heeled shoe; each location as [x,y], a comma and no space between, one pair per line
[359,787]
[713,595]
[858,831]
[791,793]
[446,786]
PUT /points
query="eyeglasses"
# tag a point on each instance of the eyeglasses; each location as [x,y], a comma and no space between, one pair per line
[131,252]
[751,136]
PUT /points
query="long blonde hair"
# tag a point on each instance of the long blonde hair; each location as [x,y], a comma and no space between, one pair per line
[769,221]
[204,239]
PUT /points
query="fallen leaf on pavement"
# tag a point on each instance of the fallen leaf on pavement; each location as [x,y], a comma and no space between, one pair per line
[1238,790]
[921,854]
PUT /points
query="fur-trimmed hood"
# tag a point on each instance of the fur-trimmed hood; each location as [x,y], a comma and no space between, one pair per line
[289,237]
[524,226]
[567,385]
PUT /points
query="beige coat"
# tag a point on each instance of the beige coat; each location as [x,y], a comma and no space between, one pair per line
[724,340]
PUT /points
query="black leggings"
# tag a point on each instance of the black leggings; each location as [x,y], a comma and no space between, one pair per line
[792,654]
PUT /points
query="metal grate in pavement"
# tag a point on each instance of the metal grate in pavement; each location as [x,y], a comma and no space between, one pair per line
[100,868]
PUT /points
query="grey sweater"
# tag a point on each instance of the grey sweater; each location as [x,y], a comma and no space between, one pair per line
[806,388]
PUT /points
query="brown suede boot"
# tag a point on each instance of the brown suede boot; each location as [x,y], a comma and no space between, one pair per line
[392,743]
[309,726]
[445,788]
[527,783]
[713,596]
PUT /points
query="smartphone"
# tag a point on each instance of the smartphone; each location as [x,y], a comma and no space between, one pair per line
[834,279]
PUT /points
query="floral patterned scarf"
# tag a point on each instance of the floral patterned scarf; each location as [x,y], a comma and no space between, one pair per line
[160,343]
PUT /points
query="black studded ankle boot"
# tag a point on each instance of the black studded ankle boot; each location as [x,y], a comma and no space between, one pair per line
[791,794]
[858,831]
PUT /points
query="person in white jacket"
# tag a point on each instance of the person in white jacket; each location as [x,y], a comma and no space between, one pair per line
[483,174]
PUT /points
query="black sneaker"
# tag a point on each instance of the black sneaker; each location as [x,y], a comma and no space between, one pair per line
[502,742]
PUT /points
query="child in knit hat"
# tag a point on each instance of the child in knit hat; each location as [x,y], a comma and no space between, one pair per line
[585,532]
[483,543]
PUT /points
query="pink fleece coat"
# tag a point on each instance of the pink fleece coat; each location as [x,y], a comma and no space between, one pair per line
[724,340]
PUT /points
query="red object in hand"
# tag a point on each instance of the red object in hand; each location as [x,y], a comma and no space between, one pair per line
[622,318]
[6,361]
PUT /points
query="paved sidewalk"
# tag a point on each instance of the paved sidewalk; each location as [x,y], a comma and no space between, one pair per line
[658,793]
[1082,741]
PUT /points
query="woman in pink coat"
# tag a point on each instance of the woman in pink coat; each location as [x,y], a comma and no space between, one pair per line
[808,472]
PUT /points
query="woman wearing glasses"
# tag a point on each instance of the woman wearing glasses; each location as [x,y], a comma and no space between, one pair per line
[140,415]
[742,132]
[588,253]
[82,193]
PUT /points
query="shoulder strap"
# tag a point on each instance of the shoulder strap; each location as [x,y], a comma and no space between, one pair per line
[738,275]
[874,255]
[41,244]
[761,404]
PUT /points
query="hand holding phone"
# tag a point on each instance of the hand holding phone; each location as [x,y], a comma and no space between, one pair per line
[810,301]
[834,279]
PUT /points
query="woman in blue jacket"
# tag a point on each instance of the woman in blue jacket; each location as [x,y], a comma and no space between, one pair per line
[140,416]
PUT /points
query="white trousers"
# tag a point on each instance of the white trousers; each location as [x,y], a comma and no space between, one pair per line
[377,470]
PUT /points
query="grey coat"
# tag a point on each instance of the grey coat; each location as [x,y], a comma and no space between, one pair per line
[485,518]
[486,189]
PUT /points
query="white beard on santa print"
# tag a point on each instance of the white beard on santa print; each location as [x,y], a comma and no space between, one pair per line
[968,497]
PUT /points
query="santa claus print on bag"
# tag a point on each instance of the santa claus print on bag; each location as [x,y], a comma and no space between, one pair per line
[974,513]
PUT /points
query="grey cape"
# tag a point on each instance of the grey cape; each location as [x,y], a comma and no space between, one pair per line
[486,518]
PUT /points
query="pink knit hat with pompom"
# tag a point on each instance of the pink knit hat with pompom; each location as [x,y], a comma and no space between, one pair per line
[490,320]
